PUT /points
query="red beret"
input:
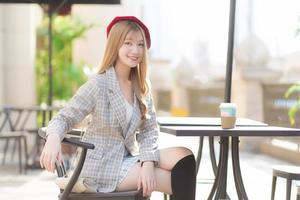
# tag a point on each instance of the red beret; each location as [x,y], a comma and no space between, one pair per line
[134,19]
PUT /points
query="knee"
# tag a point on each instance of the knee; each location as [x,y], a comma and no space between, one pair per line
[183,151]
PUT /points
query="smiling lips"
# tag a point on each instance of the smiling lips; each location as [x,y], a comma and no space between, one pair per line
[133,58]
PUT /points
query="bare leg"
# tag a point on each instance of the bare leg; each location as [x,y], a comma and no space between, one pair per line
[170,156]
[168,159]
[163,180]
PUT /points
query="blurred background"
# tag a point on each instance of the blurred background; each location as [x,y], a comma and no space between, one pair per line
[187,59]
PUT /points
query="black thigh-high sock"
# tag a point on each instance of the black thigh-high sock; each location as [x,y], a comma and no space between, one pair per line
[183,179]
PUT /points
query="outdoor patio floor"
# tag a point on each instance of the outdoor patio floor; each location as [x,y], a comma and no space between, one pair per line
[256,171]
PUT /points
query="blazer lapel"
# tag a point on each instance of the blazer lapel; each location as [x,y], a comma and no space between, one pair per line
[116,98]
[135,120]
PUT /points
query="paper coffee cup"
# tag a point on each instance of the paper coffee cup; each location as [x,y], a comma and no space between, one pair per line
[228,115]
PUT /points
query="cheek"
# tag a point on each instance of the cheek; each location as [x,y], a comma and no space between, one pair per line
[122,51]
[142,55]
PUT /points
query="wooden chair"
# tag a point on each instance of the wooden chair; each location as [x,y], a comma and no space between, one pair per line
[290,173]
[66,194]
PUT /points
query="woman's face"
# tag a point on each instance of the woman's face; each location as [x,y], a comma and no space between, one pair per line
[131,52]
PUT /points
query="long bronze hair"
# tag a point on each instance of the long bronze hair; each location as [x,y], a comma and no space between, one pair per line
[138,74]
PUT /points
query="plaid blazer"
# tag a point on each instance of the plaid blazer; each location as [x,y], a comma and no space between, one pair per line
[101,97]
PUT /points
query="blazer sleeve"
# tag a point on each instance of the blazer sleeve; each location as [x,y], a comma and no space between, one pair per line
[78,107]
[147,138]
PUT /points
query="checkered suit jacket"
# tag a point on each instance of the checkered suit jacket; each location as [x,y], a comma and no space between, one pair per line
[101,97]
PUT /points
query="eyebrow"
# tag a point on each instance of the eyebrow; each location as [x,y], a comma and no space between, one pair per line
[132,39]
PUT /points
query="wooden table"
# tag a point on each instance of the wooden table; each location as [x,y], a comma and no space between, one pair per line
[211,127]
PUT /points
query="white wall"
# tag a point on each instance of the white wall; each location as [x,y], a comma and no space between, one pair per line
[1,55]
[18,54]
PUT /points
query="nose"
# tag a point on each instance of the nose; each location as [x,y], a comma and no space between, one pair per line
[135,49]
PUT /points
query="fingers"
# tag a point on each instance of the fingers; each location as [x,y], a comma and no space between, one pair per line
[59,157]
[41,160]
[139,183]
[145,188]
[47,161]
[51,152]
[148,187]
[142,185]
[52,164]
[152,186]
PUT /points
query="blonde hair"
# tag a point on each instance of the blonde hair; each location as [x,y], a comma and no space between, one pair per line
[138,74]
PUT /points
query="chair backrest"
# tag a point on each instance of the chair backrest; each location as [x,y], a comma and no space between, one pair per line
[5,123]
[28,118]
[16,117]
[2,120]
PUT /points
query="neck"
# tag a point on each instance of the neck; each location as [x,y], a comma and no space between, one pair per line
[123,73]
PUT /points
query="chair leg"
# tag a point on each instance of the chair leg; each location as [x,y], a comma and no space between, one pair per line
[5,151]
[288,189]
[25,153]
[20,155]
[273,187]
[14,149]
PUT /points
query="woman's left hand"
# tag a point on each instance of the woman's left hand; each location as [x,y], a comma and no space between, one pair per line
[147,179]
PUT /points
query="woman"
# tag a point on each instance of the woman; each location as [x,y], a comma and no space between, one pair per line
[123,127]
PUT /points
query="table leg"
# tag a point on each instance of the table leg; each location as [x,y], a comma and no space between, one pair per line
[212,158]
[220,183]
[199,155]
[212,155]
[237,170]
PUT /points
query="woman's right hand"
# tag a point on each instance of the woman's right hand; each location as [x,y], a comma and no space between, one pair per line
[51,152]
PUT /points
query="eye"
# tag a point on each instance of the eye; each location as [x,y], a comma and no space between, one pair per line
[127,43]
[141,45]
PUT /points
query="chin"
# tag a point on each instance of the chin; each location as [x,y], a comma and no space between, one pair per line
[133,66]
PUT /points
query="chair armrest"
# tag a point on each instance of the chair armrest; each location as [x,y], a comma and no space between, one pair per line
[73,141]
[70,139]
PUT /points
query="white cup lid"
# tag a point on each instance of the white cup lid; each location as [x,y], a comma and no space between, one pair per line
[227,105]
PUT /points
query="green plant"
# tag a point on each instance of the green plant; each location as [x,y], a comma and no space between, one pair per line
[294,89]
[67,76]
